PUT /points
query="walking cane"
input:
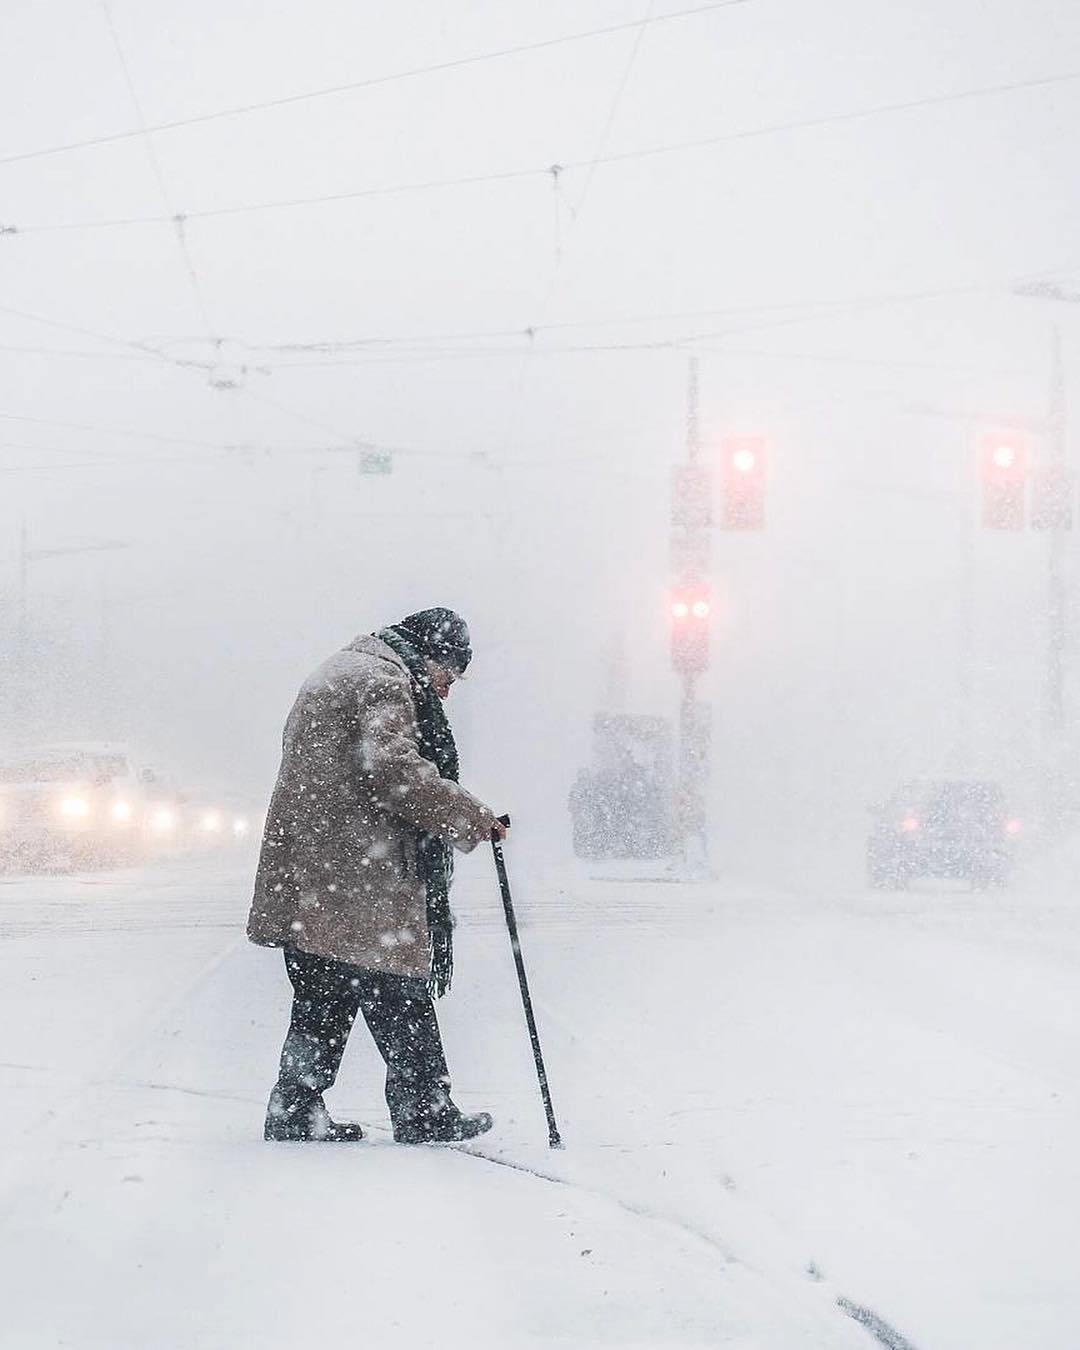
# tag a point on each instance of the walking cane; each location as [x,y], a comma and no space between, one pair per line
[511,923]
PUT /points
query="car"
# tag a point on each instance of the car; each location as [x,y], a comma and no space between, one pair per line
[942,828]
[217,818]
[67,805]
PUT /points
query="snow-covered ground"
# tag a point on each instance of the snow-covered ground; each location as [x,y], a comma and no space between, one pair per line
[771,1099]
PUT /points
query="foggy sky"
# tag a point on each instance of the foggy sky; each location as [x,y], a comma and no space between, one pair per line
[831,280]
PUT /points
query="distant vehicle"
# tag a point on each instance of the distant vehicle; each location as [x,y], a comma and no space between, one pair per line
[163,811]
[175,818]
[91,804]
[217,819]
[621,806]
[942,829]
[69,804]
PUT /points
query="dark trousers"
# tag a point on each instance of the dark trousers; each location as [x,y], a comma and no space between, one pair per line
[400,1015]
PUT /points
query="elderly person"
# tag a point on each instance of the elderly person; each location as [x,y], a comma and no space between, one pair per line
[354,876]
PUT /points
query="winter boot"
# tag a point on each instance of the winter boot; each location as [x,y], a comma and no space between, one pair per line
[305,1121]
[447,1125]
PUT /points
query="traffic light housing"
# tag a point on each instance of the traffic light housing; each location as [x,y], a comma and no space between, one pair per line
[1004,482]
[742,471]
[690,613]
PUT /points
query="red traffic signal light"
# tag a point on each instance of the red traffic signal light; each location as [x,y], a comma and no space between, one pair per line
[742,471]
[1004,482]
[690,610]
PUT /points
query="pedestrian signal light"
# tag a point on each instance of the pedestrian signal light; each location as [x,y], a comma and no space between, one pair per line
[742,474]
[1004,482]
[691,609]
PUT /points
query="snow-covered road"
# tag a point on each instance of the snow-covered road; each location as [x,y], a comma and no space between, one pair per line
[770,1098]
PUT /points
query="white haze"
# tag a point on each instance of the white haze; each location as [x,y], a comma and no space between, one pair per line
[535,496]
[850,1093]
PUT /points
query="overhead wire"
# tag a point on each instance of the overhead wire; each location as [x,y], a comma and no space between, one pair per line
[783,317]
[13,229]
[189,265]
[164,439]
[518,397]
[429,345]
[613,112]
[808,311]
[67,327]
[835,119]
[370,82]
[159,177]
[350,444]
[142,348]
[66,353]
[356,444]
[812,307]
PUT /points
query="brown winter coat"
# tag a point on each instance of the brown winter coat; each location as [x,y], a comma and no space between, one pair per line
[337,874]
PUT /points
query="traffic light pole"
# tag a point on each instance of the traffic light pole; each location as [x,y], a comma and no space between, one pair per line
[694,739]
[693,527]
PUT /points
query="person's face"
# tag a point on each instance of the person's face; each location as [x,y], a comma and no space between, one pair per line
[442,677]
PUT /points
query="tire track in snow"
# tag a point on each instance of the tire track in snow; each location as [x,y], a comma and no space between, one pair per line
[876,1325]
[885,1334]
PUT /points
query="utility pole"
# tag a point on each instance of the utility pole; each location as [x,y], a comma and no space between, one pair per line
[1057,488]
[691,521]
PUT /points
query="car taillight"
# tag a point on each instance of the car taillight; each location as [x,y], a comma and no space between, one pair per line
[909,824]
[1013,827]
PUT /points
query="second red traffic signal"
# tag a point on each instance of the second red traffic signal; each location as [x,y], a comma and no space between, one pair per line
[742,475]
[1004,482]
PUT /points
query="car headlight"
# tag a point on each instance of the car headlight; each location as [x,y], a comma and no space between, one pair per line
[75,808]
[240,826]
[162,819]
[121,813]
[211,822]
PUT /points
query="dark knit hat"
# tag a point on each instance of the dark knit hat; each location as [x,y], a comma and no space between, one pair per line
[440,635]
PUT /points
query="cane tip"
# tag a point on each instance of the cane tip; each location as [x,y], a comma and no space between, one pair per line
[555,1142]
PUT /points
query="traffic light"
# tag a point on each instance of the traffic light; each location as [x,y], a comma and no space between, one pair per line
[1004,482]
[742,472]
[690,610]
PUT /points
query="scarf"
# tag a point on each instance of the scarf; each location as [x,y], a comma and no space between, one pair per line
[434,856]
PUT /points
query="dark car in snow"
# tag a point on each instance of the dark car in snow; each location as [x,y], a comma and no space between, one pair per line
[952,828]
